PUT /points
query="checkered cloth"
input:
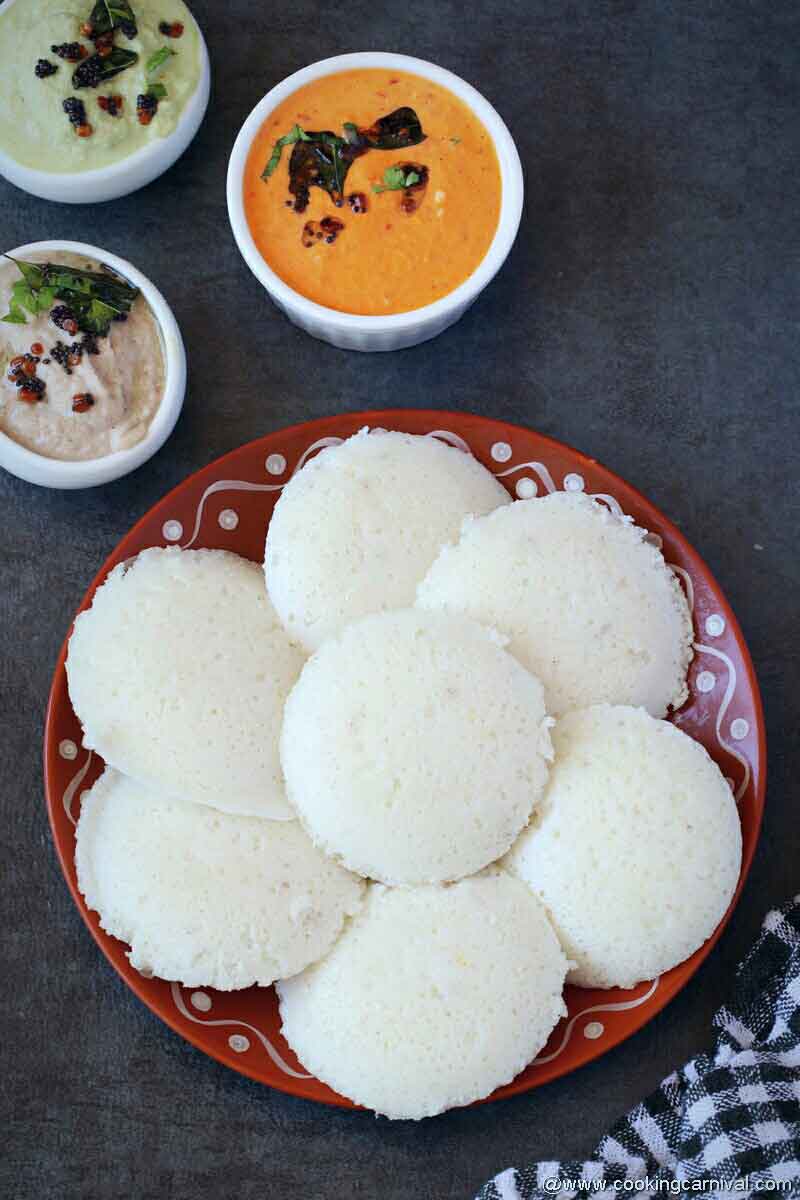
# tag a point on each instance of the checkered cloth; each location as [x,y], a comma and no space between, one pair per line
[728,1120]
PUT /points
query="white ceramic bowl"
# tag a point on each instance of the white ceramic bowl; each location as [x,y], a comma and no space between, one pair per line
[127,175]
[346,330]
[54,473]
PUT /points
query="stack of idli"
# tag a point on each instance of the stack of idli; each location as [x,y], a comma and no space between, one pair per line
[421,780]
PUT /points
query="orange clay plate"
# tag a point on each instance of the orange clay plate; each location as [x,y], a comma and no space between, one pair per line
[227,506]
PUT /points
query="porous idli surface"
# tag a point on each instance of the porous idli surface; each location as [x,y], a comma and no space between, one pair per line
[414,747]
[635,849]
[433,996]
[590,606]
[206,897]
[355,530]
[179,672]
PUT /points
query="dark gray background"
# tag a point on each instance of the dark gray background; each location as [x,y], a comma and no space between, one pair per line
[647,314]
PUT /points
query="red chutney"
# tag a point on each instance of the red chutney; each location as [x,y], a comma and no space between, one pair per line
[397,249]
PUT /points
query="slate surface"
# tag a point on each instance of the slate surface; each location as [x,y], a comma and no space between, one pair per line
[647,315]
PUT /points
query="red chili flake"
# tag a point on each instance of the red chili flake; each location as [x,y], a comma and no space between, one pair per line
[29,366]
[37,348]
[171,29]
[84,130]
[17,363]
[87,29]
[73,360]
[82,402]
[29,396]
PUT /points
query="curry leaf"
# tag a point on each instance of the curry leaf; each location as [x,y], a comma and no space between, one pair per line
[96,70]
[158,59]
[15,315]
[395,131]
[95,297]
[294,135]
[320,160]
[111,14]
[32,273]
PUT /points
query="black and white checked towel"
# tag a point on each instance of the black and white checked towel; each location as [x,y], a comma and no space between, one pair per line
[728,1122]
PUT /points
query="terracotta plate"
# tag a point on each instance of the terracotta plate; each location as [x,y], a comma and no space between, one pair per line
[228,505]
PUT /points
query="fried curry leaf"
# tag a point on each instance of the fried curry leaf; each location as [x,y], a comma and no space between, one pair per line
[320,160]
[395,131]
[96,70]
[112,14]
[294,135]
[95,297]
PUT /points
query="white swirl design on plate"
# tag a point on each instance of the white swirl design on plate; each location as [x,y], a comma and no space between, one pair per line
[722,710]
[242,485]
[72,787]
[177,997]
[620,1006]
[611,503]
[686,579]
[540,469]
[452,439]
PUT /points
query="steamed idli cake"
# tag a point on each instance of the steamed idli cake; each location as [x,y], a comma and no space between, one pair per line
[178,673]
[590,606]
[432,997]
[635,848]
[356,529]
[414,747]
[206,897]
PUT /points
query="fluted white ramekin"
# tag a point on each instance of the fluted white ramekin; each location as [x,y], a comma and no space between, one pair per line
[89,472]
[346,330]
[128,174]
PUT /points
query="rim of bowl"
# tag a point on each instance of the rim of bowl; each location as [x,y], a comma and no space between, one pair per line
[510,204]
[193,111]
[89,472]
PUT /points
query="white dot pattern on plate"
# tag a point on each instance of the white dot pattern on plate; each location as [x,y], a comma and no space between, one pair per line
[501,452]
[228,519]
[574,483]
[594,1030]
[67,749]
[172,530]
[201,1001]
[239,1043]
[526,489]
[275,464]
[739,729]
[715,625]
[706,681]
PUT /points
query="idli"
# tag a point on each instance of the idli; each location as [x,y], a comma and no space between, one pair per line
[206,897]
[590,606]
[178,673]
[432,997]
[414,747]
[635,848]
[356,529]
